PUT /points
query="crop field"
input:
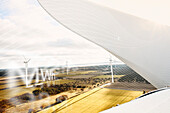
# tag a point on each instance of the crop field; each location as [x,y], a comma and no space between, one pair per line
[82,76]
[81,87]
[82,72]
[94,101]
[108,76]
[11,86]
[19,88]
[78,74]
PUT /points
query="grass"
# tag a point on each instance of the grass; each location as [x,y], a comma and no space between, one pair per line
[94,101]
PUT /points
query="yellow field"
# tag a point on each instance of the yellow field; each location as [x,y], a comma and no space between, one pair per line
[11,92]
[109,76]
[81,72]
[94,101]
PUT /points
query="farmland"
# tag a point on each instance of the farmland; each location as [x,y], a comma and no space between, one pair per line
[109,76]
[94,101]
[81,87]
[19,88]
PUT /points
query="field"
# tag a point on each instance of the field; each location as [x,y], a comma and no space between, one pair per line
[76,73]
[109,76]
[94,101]
[19,88]
[82,87]
[132,86]
[14,86]
[94,76]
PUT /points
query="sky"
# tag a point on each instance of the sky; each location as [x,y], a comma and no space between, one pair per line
[27,30]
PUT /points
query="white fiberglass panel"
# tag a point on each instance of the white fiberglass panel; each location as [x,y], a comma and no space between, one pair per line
[143,45]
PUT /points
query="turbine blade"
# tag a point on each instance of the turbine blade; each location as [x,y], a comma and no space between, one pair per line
[24,57]
[28,60]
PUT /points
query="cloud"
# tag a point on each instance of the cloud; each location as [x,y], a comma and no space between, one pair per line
[26,29]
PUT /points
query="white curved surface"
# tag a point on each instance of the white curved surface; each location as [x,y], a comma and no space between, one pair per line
[141,44]
[154,103]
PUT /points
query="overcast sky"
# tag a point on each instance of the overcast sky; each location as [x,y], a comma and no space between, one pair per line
[26,29]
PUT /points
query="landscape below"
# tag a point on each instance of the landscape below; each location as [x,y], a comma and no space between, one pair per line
[78,92]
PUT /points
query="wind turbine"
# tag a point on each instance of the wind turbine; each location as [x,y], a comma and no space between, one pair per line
[26,70]
[67,67]
[111,69]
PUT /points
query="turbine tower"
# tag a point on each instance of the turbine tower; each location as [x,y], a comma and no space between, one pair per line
[26,70]
[111,69]
[67,67]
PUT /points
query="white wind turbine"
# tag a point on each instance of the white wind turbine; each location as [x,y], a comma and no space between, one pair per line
[111,69]
[67,67]
[26,70]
